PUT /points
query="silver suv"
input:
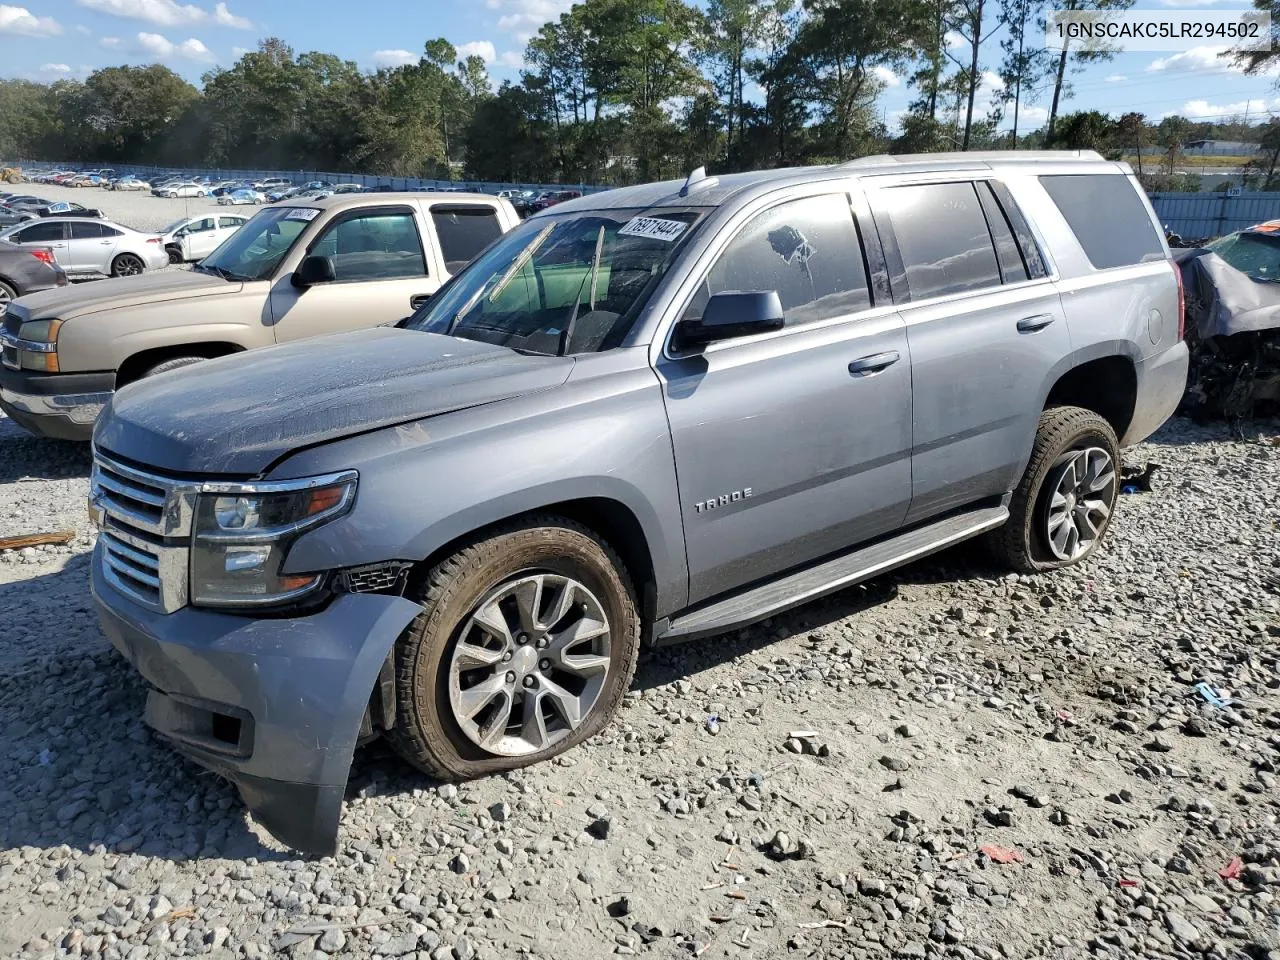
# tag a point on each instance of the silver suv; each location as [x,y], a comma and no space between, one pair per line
[643,416]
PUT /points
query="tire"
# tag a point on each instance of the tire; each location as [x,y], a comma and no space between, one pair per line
[175,254]
[428,731]
[173,364]
[1037,536]
[7,293]
[127,265]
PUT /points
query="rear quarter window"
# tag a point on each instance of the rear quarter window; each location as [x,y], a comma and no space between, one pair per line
[1107,216]
[464,232]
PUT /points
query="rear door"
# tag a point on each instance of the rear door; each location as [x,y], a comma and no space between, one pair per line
[986,327]
[380,261]
[91,247]
[52,235]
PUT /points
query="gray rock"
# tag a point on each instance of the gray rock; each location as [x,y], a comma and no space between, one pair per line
[1181,928]
[332,940]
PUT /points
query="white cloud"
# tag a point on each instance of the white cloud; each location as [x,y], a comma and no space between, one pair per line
[239,52]
[1200,3]
[1206,59]
[477,48]
[225,18]
[512,59]
[886,76]
[163,49]
[22,21]
[394,58]
[954,40]
[109,43]
[82,29]
[522,18]
[1199,109]
[167,13]
[55,68]
[1116,78]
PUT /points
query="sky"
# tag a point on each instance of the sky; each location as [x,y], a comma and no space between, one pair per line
[49,39]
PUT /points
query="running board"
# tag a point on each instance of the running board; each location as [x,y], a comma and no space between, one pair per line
[844,571]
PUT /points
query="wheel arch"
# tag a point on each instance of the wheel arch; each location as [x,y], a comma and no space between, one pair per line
[1102,378]
[135,365]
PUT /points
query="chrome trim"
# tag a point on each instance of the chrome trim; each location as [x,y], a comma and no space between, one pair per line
[30,346]
[280,486]
[268,534]
[77,407]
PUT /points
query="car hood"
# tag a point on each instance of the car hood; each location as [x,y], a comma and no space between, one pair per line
[238,415]
[68,302]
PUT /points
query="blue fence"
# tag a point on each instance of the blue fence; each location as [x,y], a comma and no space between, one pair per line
[302,176]
[1213,214]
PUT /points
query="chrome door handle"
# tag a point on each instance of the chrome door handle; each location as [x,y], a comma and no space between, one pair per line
[875,363]
[1038,322]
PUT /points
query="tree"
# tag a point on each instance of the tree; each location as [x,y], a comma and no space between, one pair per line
[1263,167]
[1078,56]
[1172,134]
[1026,62]
[968,19]
[1085,130]
[1132,129]
[1261,61]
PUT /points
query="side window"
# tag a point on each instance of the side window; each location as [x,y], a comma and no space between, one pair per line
[231,223]
[1031,255]
[381,245]
[200,226]
[943,238]
[40,233]
[808,250]
[1012,269]
[88,231]
[463,232]
[1107,216]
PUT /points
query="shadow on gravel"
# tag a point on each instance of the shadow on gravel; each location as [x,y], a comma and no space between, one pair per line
[38,458]
[81,769]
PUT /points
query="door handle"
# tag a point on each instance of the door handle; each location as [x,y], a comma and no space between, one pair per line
[875,363]
[106,243]
[418,299]
[1037,322]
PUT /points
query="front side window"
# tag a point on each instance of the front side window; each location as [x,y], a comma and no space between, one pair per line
[463,232]
[230,223]
[807,250]
[254,252]
[562,285]
[373,246]
[200,226]
[943,237]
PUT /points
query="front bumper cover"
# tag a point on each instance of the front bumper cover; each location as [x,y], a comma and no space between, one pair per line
[59,405]
[292,693]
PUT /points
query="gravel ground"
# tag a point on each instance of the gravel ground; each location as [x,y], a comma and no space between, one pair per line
[877,756]
[139,210]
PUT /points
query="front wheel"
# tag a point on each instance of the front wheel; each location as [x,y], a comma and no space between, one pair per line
[525,647]
[1063,505]
[7,293]
[127,265]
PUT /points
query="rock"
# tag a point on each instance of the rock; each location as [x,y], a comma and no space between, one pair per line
[781,846]
[600,828]
[460,864]
[872,887]
[501,812]
[1159,744]
[463,949]
[1181,928]
[896,764]
[499,893]
[332,940]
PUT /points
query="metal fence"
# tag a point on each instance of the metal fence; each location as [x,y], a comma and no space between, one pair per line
[1213,214]
[303,176]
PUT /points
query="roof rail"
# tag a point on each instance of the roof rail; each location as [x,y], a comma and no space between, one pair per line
[976,155]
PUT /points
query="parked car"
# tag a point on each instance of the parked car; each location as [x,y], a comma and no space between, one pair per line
[193,238]
[348,188]
[644,356]
[65,208]
[224,187]
[26,270]
[183,188]
[551,197]
[241,196]
[299,269]
[273,183]
[10,215]
[26,202]
[91,248]
[125,184]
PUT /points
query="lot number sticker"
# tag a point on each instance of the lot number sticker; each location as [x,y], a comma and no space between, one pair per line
[302,213]
[653,228]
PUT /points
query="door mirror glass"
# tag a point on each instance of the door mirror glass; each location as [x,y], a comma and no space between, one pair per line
[731,314]
[313,270]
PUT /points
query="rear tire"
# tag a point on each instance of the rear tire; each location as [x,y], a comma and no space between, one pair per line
[7,293]
[550,672]
[1062,506]
[173,364]
[127,265]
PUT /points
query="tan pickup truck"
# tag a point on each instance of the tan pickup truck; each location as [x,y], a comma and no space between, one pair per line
[297,269]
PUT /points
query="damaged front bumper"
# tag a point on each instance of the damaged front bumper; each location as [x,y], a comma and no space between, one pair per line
[273,705]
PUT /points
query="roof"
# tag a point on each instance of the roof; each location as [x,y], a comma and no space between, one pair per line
[714,191]
[341,201]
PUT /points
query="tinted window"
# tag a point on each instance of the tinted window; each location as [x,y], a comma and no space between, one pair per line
[464,232]
[40,233]
[1012,269]
[91,231]
[1108,218]
[807,250]
[208,223]
[943,238]
[231,222]
[375,246]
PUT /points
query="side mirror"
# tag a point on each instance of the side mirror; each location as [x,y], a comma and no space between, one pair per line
[732,314]
[313,270]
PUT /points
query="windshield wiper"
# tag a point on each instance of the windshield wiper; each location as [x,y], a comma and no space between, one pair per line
[222,272]
[577,301]
[516,266]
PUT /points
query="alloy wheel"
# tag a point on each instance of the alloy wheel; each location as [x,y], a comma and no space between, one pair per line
[1080,502]
[529,664]
[127,265]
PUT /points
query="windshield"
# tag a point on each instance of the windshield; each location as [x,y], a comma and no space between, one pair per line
[255,250]
[561,285]
[169,228]
[1254,254]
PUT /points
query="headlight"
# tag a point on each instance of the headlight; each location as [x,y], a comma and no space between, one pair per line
[37,345]
[243,533]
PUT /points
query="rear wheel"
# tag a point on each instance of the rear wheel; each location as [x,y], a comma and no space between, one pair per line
[7,293]
[127,265]
[1063,505]
[526,644]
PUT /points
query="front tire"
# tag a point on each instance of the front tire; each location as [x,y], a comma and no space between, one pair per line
[174,363]
[525,647]
[7,293]
[1063,505]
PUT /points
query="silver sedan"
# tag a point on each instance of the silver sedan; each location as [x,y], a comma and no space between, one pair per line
[91,248]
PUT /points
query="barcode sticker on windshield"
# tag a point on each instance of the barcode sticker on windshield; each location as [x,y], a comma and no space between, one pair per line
[653,228]
[302,213]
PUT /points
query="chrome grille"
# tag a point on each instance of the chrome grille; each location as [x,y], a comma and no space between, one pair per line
[145,532]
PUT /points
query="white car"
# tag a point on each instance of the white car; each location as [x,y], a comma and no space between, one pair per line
[194,238]
[128,183]
[91,248]
[235,198]
[185,188]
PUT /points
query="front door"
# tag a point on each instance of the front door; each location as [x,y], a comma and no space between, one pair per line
[51,235]
[986,327]
[380,265]
[201,238]
[791,445]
